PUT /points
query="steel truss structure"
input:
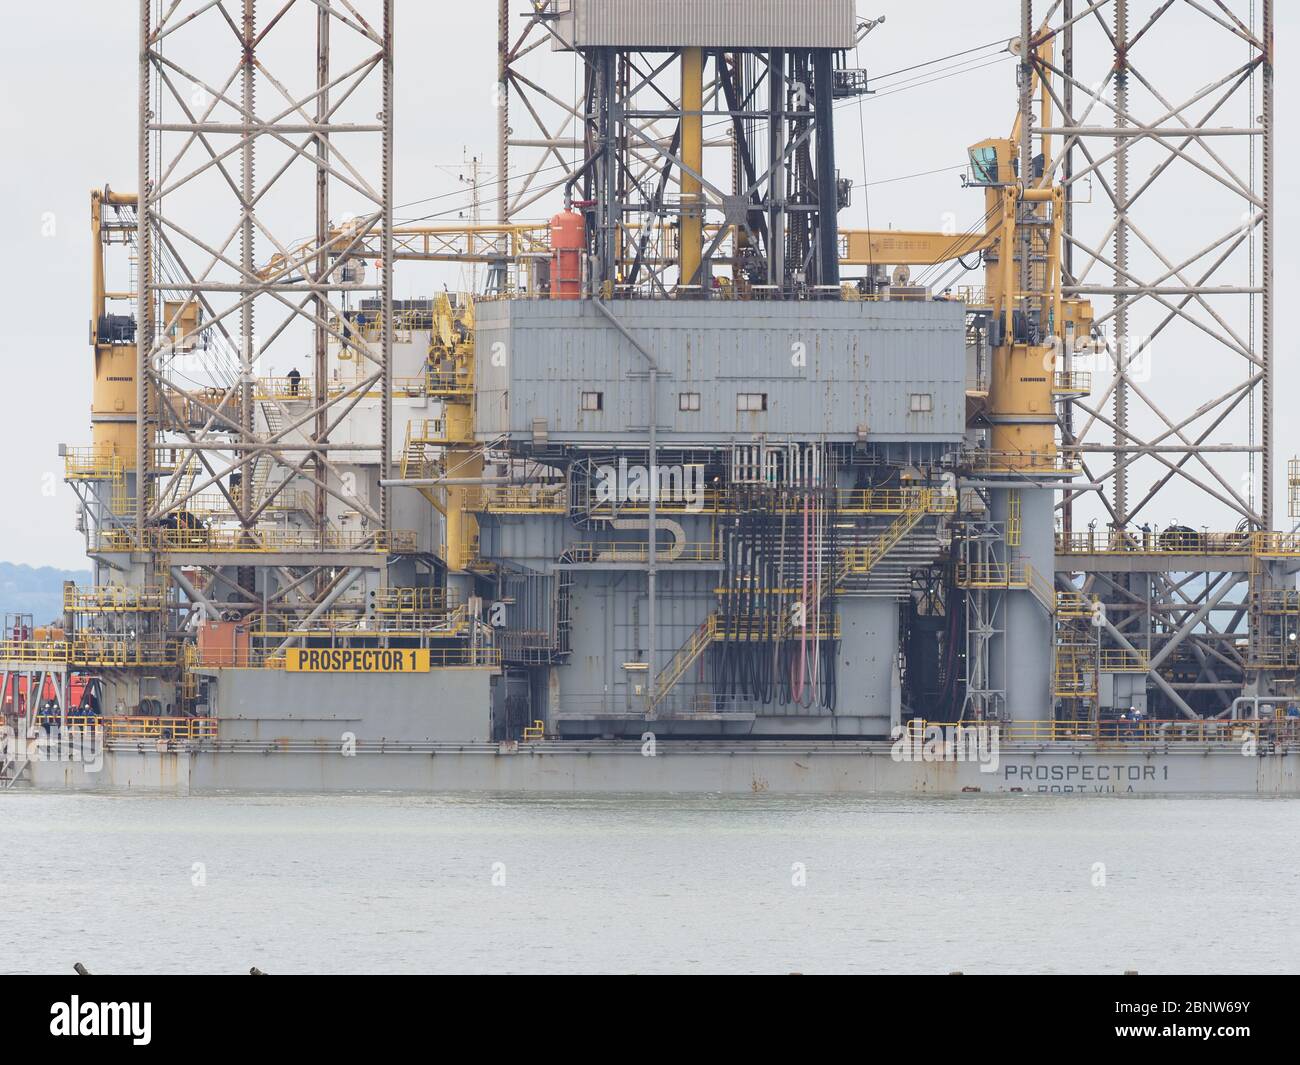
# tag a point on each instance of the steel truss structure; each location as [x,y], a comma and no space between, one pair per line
[635,142]
[1181,420]
[1189,293]
[549,134]
[283,115]
[773,222]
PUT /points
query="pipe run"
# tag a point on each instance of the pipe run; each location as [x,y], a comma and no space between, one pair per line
[471,482]
[652,518]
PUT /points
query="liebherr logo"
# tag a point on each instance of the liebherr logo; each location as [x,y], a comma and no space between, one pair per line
[937,743]
[120,1019]
[634,484]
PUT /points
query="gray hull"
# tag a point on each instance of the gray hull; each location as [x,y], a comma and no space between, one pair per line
[845,768]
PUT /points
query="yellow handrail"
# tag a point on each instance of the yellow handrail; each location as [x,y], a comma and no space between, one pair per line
[686,657]
[139,728]
[1178,730]
[33,651]
[992,575]
[263,540]
[114,598]
[1072,383]
[1173,542]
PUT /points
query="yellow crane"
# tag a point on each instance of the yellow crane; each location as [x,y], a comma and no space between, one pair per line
[112,337]
[1031,325]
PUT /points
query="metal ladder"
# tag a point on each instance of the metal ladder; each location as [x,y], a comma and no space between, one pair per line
[563,622]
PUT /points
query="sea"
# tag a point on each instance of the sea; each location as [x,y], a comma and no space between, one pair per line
[633,884]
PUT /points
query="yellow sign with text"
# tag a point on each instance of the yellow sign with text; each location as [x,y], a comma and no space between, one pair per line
[358,660]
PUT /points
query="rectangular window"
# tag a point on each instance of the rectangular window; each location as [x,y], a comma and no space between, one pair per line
[688,401]
[922,403]
[751,401]
[593,401]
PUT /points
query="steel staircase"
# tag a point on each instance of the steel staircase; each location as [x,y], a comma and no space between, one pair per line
[1077,665]
[700,641]
[265,463]
[860,561]
[416,463]
[857,562]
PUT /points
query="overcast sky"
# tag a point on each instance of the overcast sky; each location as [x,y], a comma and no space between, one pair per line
[67,110]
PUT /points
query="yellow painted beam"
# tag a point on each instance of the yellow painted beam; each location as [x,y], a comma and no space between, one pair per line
[896,247]
[692,232]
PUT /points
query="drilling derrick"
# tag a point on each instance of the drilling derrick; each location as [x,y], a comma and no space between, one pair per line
[1171,531]
[738,465]
[235,502]
[265,396]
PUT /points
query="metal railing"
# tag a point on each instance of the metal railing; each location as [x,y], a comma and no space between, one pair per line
[866,502]
[1180,730]
[432,431]
[1076,605]
[687,655]
[1276,545]
[137,728]
[1016,575]
[992,575]
[1042,588]
[391,624]
[1293,487]
[267,389]
[265,540]
[539,499]
[1121,660]
[1075,673]
[115,599]
[774,626]
[33,651]
[370,325]
[1072,382]
[1274,652]
[972,295]
[97,463]
[214,505]
[716,703]
[457,381]
[861,560]
[109,652]
[412,600]
[1279,602]
[1061,461]
[640,552]
[1176,542]
[286,389]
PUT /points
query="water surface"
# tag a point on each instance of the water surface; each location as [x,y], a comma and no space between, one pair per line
[633,884]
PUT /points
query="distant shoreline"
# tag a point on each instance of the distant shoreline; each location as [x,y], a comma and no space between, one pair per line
[36,590]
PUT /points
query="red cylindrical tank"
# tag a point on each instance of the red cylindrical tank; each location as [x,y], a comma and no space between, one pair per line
[568,238]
